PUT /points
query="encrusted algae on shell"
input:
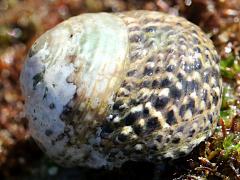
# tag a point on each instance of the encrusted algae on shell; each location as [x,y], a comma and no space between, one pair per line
[103,88]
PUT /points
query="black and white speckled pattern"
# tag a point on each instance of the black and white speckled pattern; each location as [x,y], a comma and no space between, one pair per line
[171,94]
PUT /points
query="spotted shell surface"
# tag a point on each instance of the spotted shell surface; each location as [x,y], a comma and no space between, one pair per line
[105,88]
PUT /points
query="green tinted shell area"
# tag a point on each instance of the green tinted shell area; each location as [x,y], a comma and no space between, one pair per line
[162,99]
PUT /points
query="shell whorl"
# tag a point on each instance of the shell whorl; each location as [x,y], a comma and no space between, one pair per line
[103,88]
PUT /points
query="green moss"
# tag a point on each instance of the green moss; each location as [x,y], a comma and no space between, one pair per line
[229,67]
[231,144]
[227,116]
[228,97]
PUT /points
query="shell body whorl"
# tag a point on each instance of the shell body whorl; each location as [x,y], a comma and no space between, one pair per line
[103,88]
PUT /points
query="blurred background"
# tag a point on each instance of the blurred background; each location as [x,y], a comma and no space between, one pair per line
[22,21]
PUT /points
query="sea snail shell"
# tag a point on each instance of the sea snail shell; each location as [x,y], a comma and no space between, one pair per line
[105,88]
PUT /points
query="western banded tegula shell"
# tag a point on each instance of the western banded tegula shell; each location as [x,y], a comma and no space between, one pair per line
[102,89]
